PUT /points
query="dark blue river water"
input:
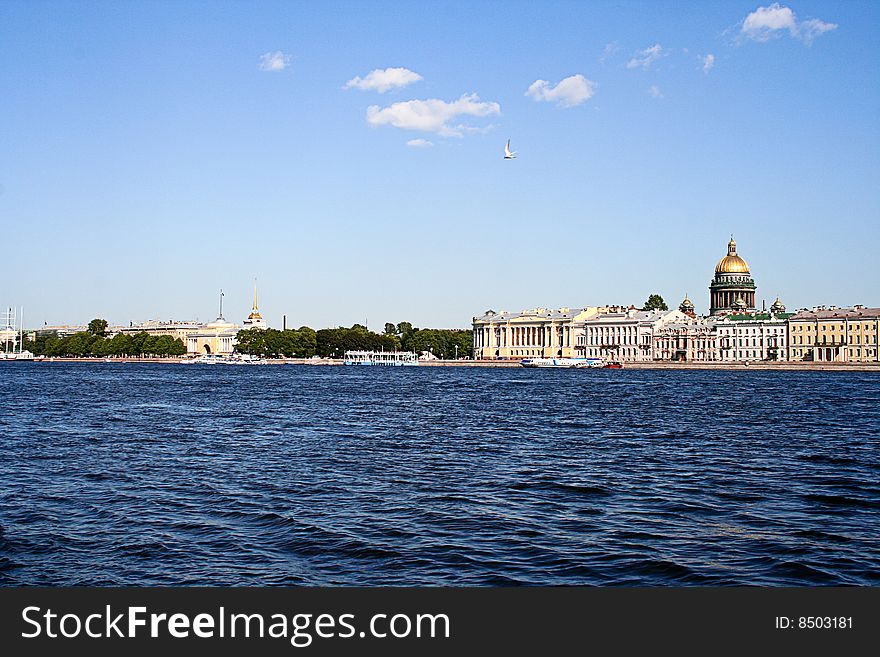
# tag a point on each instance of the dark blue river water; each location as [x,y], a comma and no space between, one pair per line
[139,474]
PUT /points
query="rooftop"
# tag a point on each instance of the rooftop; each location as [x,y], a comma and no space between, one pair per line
[837,313]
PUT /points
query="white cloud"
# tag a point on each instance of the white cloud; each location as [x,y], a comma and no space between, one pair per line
[812,28]
[769,22]
[571,91]
[708,62]
[655,92]
[610,49]
[765,22]
[420,143]
[382,80]
[646,57]
[432,115]
[274,61]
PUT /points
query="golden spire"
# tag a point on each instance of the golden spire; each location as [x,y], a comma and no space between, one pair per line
[255,313]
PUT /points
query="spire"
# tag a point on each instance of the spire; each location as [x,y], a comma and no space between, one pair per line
[255,296]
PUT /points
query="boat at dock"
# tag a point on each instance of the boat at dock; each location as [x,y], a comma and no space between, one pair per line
[559,362]
[386,358]
[571,363]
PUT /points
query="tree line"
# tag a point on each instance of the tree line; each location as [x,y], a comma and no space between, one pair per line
[86,344]
[303,342]
[334,342]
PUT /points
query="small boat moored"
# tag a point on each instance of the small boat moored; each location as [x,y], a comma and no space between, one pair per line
[560,362]
[386,358]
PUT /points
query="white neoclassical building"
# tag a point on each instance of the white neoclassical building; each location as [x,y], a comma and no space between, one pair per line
[540,332]
[755,336]
[762,336]
[624,334]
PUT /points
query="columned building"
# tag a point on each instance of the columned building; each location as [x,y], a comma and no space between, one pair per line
[731,337]
[540,332]
[753,337]
[835,335]
[626,335]
[217,337]
[691,340]
[733,289]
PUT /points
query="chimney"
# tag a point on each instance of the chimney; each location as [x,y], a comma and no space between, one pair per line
[284,323]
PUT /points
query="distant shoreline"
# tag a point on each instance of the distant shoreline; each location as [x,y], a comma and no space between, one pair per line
[656,365]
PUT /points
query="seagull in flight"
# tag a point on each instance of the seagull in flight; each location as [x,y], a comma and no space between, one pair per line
[508,154]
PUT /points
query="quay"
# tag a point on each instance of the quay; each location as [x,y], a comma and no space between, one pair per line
[802,366]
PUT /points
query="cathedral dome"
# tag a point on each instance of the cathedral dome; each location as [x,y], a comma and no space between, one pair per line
[731,263]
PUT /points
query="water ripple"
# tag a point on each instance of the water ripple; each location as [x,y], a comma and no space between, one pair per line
[160,474]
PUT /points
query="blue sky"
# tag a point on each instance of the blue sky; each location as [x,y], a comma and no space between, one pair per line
[152,153]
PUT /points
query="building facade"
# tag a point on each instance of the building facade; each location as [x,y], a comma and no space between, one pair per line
[531,333]
[626,335]
[177,330]
[217,337]
[752,337]
[691,340]
[835,335]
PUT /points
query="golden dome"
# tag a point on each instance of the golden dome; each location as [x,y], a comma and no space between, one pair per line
[731,263]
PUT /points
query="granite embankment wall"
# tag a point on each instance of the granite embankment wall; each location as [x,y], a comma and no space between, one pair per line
[655,365]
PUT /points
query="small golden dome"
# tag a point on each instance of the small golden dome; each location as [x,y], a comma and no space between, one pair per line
[731,263]
[255,315]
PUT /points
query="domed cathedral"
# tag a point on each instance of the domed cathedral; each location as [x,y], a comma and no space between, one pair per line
[733,288]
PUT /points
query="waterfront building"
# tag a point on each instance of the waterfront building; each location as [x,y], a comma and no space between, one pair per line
[835,335]
[177,330]
[217,337]
[726,338]
[733,288]
[624,334]
[692,340]
[61,330]
[539,332]
[753,337]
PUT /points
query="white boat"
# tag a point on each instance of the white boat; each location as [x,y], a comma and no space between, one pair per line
[561,362]
[209,359]
[243,359]
[386,358]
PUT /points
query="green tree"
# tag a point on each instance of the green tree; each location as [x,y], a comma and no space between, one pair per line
[98,327]
[655,302]
[308,340]
[137,343]
[100,347]
[120,345]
